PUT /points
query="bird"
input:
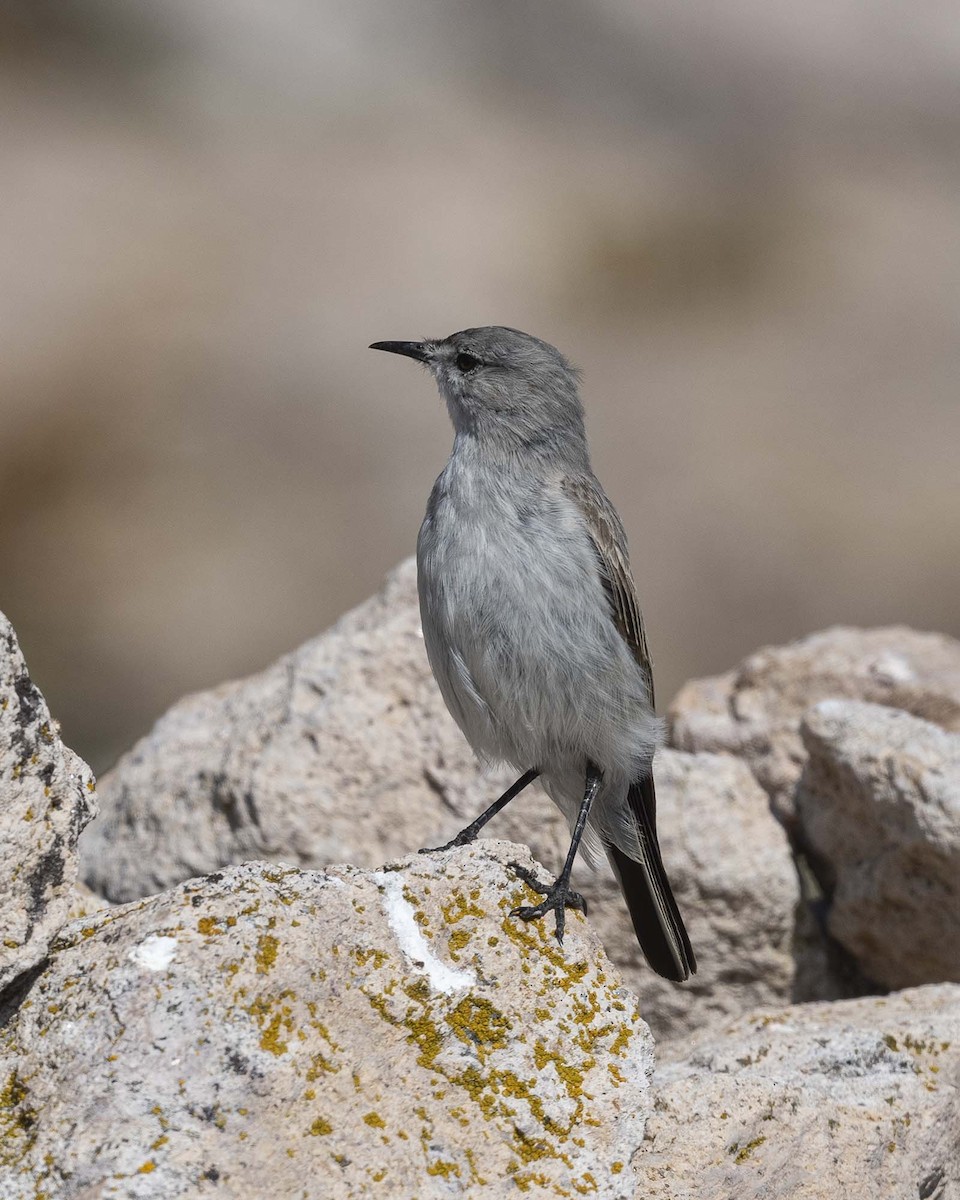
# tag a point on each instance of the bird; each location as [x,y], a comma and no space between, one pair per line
[531,622]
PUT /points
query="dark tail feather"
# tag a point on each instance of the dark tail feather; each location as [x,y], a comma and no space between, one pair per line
[646,889]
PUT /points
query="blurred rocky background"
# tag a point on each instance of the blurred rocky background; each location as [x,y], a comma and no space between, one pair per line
[740,219]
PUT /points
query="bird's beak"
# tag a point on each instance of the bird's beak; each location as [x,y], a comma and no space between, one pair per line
[421,351]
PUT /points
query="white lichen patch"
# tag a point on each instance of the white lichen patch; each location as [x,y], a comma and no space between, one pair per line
[402,920]
[155,953]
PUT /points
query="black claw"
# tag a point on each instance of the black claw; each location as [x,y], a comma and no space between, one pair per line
[528,877]
[557,898]
[459,840]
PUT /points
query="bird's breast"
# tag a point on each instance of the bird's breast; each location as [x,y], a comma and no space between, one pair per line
[517,625]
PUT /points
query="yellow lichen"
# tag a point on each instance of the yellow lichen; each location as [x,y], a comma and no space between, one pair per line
[320,1065]
[443,1169]
[475,1020]
[742,1153]
[458,907]
[272,1022]
[379,957]
[456,942]
[266,955]
[270,1038]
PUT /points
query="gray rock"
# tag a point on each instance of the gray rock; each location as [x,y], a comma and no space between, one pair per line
[879,806]
[46,798]
[855,1098]
[343,751]
[84,902]
[340,752]
[755,710]
[267,1032]
[731,868]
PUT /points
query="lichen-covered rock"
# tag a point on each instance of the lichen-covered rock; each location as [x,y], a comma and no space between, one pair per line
[879,807]
[854,1098]
[754,711]
[272,1032]
[343,752]
[46,798]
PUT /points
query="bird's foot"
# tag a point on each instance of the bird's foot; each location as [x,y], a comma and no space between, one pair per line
[464,838]
[557,898]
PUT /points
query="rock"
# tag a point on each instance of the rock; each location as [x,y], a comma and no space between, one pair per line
[272,1032]
[85,902]
[879,807]
[732,872]
[340,752]
[46,798]
[755,710]
[343,751]
[853,1098]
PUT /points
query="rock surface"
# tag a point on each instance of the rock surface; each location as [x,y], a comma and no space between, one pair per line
[344,752]
[855,1098]
[754,711]
[731,869]
[46,798]
[879,807]
[340,752]
[272,1032]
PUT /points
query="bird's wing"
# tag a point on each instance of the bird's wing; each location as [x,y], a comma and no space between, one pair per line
[610,543]
[643,880]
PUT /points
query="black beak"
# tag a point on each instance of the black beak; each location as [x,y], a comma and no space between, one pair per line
[421,351]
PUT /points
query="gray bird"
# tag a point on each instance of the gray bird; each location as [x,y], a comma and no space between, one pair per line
[531,621]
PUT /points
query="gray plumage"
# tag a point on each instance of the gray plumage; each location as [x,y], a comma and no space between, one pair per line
[529,612]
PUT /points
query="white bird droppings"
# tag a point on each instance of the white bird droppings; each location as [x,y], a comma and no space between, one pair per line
[402,921]
[155,952]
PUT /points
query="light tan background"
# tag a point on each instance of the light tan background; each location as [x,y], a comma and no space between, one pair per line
[739,218]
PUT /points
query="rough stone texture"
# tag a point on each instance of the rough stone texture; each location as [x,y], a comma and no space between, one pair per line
[343,751]
[85,902]
[46,798]
[879,806]
[731,868]
[340,752]
[754,711]
[857,1098]
[272,1032]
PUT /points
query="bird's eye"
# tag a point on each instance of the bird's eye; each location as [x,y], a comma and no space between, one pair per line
[466,362]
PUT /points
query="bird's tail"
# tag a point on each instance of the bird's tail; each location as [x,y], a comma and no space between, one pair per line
[646,889]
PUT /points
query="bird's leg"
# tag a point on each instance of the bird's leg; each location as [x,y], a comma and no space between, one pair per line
[559,896]
[472,831]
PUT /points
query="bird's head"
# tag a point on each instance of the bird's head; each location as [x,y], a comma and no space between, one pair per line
[507,388]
